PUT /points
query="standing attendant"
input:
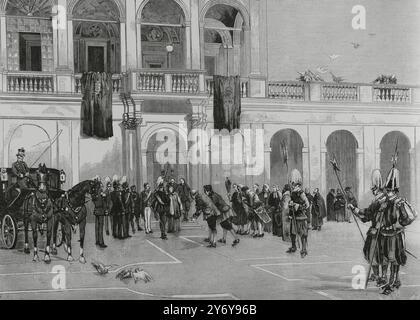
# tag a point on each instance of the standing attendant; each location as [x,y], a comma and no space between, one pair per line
[184,192]
[274,203]
[340,207]
[126,200]
[100,202]
[175,211]
[330,206]
[108,204]
[161,207]
[351,199]
[146,205]
[116,210]
[136,211]
[318,211]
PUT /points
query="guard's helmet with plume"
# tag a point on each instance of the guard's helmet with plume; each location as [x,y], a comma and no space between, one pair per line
[393,180]
[376,180]
[295,178]
[108,181]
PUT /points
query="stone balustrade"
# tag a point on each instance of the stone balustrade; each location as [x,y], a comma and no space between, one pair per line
[244,87]
[116,83]
[168,81]
[33,82]
[342,92]
[287,90]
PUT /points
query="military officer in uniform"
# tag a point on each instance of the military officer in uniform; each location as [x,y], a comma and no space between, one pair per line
[135,206]
[298,208]
[99,200]
[126,213]
[116,210]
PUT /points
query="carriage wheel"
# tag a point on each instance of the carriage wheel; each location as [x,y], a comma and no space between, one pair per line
[59,239]
[9,232]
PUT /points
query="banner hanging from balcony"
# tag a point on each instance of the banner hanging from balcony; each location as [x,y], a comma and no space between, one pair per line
[97,105]
[227,103]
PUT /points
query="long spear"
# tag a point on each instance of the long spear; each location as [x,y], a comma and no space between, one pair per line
[336,170]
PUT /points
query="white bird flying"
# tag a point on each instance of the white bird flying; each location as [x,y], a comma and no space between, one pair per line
[322,69]
[334,57]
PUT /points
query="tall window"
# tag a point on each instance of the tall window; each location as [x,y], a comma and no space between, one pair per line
[163,35]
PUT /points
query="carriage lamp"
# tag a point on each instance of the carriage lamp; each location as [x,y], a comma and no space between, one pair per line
[4,177]
[63,177]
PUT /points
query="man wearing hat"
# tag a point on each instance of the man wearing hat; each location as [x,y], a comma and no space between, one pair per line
[20,169]
[126,195]
[116,210]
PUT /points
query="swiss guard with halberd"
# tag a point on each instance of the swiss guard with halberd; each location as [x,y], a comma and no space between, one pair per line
[390,214]
[298,208]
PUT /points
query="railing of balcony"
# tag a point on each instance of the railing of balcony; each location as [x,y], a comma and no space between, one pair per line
[33,82]
[244,87]
[340,92]
[287,90]
[168,81]
[116,83]
[392,93]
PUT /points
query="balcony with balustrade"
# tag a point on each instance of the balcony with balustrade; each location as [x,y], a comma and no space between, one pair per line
[195,83]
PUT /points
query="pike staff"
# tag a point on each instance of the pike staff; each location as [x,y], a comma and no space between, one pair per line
[337,170]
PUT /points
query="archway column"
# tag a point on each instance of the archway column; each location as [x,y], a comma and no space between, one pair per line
[306,168]
[130,45]
[194,34]
[412,154]
[267,165]
[123,43]
[3,43]
[324,164]
[360,172]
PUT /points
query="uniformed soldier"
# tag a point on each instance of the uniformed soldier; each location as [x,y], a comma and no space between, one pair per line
[108,203]
[385,243]
[135,206]
[126,213]
[116,210]
[99,200]
[298,208]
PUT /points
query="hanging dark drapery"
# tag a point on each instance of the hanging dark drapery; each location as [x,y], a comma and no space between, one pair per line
[97,105]
[227,103]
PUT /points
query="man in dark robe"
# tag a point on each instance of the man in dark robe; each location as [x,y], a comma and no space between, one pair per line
[310,198]
[126,200]
[340,207]
[351,199]
[136,210]
[99,200]
[184,192]
[274,204]
[161,203]
[116,211]
[318,211]
[330,205]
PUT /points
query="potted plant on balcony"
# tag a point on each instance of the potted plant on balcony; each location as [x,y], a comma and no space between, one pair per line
[385,93]
[307,78]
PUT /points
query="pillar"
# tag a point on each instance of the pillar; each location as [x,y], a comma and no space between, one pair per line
[314,155]
[413,175]
[188,61]
[3,43]
[306,174]
[360,173]
[75,151]
[131,35]
[372,156]
[138,41]
[323,181]
[195,36]
[123,47]
[267,164]
[255,36]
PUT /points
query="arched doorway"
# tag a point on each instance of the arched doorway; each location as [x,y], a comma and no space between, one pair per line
[286,155]
[224,41]
[163,35]
[342,145]
[388,148]
[96,36]
[165,152]
[35,140]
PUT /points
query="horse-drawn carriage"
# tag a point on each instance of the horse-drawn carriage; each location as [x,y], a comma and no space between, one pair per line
[12,202]
[44,206]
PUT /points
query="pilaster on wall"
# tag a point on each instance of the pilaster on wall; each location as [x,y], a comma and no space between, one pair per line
[131,37]
[315,163]
[3,45]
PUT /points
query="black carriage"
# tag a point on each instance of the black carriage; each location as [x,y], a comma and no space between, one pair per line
[12,212]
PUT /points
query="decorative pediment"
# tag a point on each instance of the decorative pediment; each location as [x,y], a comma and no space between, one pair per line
[36,8]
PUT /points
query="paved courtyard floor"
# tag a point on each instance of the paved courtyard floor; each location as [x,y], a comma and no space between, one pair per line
[183,268]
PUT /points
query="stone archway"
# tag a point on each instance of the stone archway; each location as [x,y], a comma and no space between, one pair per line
[286,155]
[96,36]
[390,143]
[342,145]
[34,139]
